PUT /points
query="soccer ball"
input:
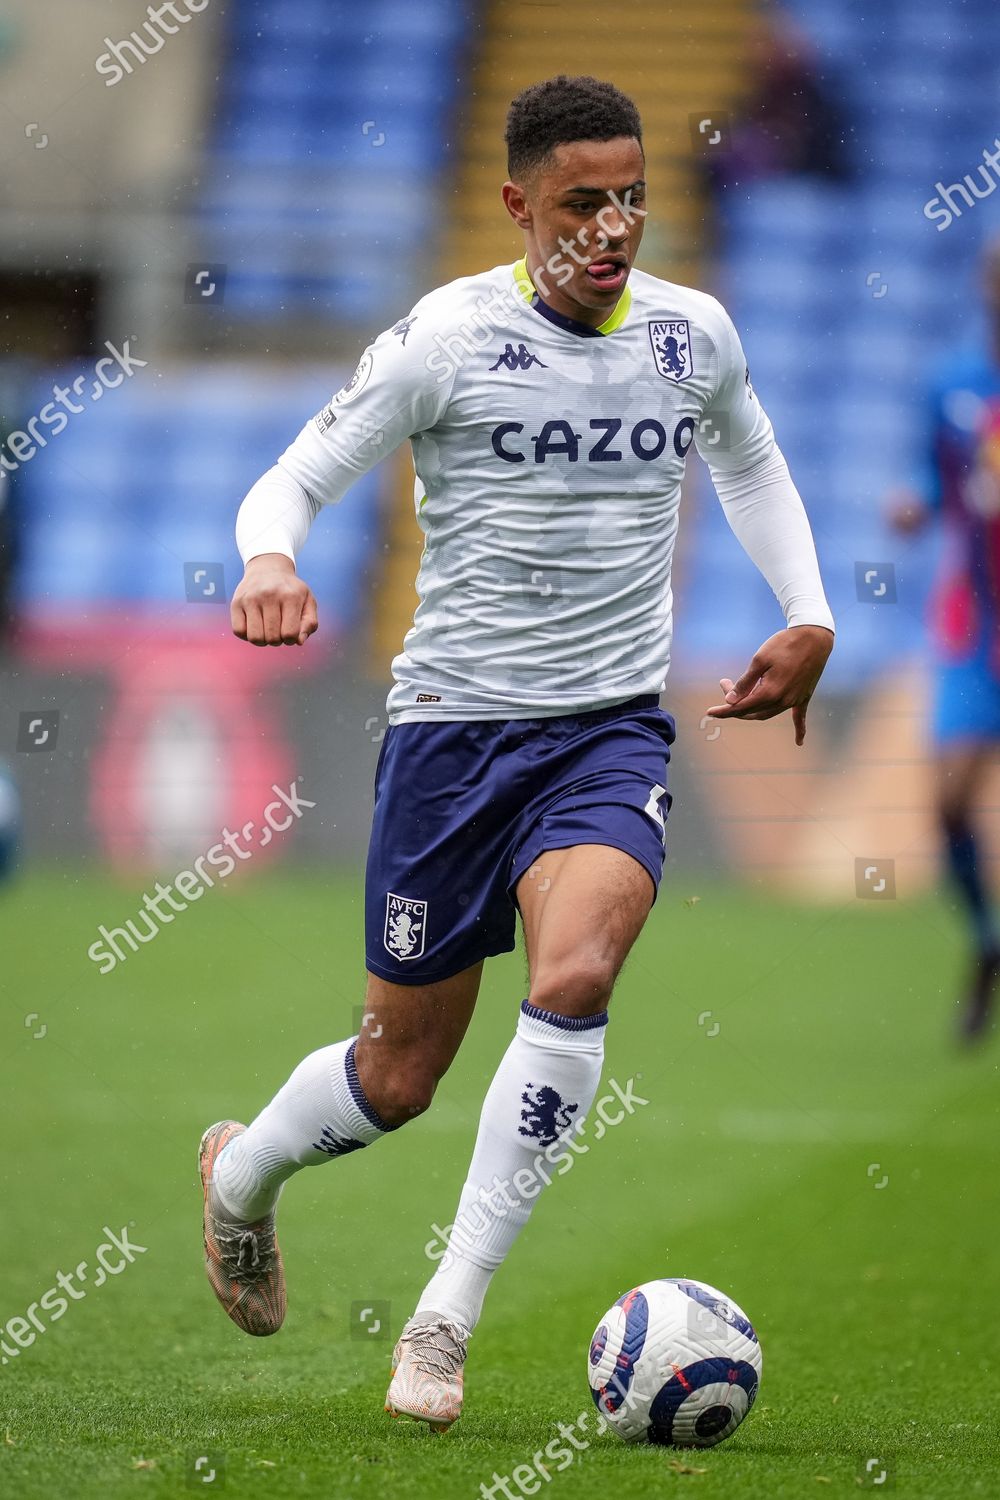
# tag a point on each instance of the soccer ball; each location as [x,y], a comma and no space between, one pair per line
[674,1362]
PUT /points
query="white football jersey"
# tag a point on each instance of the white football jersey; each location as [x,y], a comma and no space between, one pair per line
[549,458]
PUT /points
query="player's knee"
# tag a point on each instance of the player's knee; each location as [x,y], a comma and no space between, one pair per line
[401,1090]
[578,986]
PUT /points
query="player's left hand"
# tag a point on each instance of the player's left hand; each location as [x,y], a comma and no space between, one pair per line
[783,674]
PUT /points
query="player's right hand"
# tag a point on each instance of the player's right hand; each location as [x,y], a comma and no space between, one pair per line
[273,606]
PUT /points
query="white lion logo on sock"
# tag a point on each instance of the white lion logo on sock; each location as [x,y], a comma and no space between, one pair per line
[405,927]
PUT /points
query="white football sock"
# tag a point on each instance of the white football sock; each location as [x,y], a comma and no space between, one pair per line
[541,1092]
[321,1112]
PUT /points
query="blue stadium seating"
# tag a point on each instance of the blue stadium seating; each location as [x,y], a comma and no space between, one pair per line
[332,122]
[150,478]
[846,296]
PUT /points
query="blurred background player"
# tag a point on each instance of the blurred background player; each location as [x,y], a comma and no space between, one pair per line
[10,823]
[791,121]
[962,488]
[10,808]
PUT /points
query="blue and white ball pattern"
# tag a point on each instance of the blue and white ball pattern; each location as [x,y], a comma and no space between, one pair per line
[674,1362]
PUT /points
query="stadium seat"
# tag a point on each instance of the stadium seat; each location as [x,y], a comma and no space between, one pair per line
[323,114]
[150,479]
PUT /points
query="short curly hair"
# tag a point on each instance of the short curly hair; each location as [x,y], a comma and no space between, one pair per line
[564,109]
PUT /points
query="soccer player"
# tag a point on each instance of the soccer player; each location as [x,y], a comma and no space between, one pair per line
[550,405]
[962,485]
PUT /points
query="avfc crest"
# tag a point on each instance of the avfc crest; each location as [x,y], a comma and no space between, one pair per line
[671,341]
[405,927]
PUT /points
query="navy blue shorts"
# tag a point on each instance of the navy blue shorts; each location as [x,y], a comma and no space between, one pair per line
[462,810]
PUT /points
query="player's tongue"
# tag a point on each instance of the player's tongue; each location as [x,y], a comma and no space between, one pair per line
[606,272]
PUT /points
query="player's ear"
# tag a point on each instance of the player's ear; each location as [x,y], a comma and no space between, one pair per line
[515,201]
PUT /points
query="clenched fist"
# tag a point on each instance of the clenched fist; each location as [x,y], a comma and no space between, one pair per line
[273,606]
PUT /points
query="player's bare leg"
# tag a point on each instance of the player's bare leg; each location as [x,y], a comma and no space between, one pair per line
[409,1040]
[582,910]
[961,771]
[338,1100]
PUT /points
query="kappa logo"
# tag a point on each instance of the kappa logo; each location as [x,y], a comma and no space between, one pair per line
[405,927]
[520,359]
[402,328]
[547,1114]
[671,342]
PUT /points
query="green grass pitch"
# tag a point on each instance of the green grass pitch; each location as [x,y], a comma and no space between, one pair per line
[814,1144]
